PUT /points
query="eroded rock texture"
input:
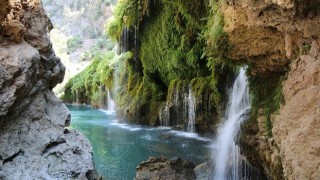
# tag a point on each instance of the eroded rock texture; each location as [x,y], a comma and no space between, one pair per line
[278,37]
[165,169]
[269,34]
[297,128]
[34,143]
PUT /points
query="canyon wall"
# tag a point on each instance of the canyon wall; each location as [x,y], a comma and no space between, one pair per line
[280,38]
[34,140]
[180,45]
[296,128]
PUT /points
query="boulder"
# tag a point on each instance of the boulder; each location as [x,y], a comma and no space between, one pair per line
[166,169]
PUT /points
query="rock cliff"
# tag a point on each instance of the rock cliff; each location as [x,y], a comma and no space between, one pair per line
[280,38]
[270,34]
[34,141]
[296,128]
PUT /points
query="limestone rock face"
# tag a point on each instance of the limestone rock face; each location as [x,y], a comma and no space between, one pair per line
[269,34]
[296,129]
[275,37]
[34,141]
[163,168]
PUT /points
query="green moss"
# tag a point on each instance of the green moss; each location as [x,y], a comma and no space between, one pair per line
[153,118]
[217,40]
[134,91]
[124,16]
[208,100]
[113,29]
[266,95]
[89,84]
[203,85]
[179,47]
[137,92]
[305,48]
[171,45]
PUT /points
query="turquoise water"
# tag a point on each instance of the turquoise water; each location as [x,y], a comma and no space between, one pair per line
[119,148]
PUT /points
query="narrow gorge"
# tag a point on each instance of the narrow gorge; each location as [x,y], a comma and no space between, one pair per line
[160,89]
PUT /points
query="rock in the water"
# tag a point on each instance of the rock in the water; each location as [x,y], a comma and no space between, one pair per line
[34,141]
[166,169]
[203,171]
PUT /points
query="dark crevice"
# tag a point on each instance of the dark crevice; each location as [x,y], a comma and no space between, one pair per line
[67,121]
[53,144]
[77,151]
[93,175]
[75,174]
[66,131]
[309,8]
[260,14]
[89,174]
[9,159]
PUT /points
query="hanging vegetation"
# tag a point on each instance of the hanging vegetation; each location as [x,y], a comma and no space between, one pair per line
[169,41]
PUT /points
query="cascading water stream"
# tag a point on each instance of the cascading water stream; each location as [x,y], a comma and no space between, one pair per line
[226,156]
[164,116]
[111,104]
[185,108]
[191,111]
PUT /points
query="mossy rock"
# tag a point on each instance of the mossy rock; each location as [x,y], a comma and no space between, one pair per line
[267,96]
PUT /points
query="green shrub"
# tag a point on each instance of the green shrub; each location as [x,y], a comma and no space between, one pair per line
[74,43]
[124,16]
[217,40]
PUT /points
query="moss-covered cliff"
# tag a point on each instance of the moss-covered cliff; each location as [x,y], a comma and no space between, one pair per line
[194,46]
[176,46]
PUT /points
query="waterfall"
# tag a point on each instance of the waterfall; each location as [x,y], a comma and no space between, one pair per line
[164,116]
[184,105]
[77,97]
[111,104]
[191,111]
[226,157]
[125,40]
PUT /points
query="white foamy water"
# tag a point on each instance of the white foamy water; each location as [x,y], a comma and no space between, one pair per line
[126,126]
[226,156]
[108,112]
[159,128]
[189,135]
[147,137]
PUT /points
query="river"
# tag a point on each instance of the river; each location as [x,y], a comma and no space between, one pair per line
[119,148]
